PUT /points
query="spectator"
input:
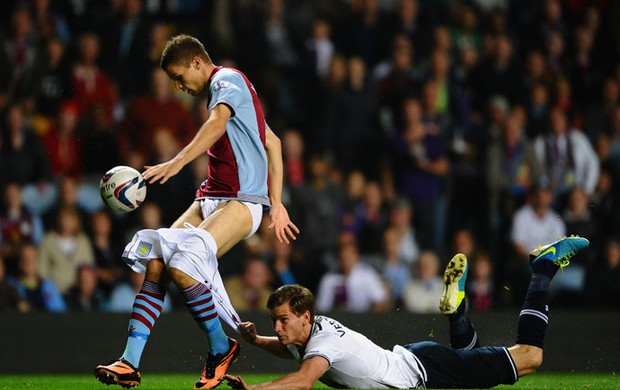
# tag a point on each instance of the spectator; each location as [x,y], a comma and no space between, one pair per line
[54,82]
[408,22]
[285,263]
[420,163]
[537,105]
[605,205]
[24,160]
[181,186]
[107,249]
[150,111]
[124,293]
[63,144]
[401,82]
[17,226]
[394,270]
[586,68]
[356,287]
[18,59]
[481,286]
[555,54]
[85,295]
[149,217]
[567,157]
[512,169]
[498,75]
[100,143]
[50,23]
[10,299]
[351,125]
[580,221]
[534,223]
[293,148]
[40,292]
[355,185]
[598,114]
[602,288]
[371,220]
[401,222]
[318,201]
[251,289]
[463,241]
[64,249]
[93,87]
[125,44]
[420,294]
[534,74]
[69,196]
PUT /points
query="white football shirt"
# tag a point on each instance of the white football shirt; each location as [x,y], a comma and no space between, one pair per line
[357,362]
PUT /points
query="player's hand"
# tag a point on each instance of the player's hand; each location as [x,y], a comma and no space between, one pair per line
[282,224]
[236,382]
[248,332]
[162,172]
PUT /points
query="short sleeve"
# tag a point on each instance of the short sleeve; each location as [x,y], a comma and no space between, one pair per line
[226,90]
[325,344]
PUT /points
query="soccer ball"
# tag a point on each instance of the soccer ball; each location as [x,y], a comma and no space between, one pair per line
[122,188]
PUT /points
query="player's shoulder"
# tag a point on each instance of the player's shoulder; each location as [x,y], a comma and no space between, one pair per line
[326,326]
[228,74]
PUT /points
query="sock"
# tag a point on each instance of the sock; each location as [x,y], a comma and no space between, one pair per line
[146,309]
[199,301]
[462,333]
[534,315]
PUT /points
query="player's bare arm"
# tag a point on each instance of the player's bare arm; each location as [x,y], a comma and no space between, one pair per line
[268,343]
[308,374]
[208,134]
[280,221]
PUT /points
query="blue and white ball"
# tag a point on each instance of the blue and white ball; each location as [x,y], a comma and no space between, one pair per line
[122,189]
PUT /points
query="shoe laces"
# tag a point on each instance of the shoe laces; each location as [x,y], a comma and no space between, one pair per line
[564,261]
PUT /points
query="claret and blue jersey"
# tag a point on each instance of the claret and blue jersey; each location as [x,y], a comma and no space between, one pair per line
[238,160]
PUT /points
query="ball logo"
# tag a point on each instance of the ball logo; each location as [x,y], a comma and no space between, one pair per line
[119,192]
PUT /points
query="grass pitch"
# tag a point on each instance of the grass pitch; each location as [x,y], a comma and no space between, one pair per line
[567,381]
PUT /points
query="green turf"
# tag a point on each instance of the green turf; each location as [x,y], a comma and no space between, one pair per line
[185,381]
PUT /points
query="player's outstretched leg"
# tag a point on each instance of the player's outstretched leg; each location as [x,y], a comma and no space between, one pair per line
[545,262]
[453,284]
[453,304]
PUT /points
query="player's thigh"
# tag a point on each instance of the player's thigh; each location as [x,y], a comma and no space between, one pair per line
[193,216]
[230,223]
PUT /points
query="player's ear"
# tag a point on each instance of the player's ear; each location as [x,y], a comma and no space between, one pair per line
[196,63]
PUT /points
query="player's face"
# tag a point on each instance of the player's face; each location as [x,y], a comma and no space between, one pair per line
[290,328]
[187,79]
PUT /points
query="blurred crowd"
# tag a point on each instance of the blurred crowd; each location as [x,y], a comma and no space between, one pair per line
[411,130]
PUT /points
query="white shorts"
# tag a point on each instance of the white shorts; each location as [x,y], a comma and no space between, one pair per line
[190,250]
[208,206]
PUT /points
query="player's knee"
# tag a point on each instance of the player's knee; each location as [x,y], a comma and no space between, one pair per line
[156,272]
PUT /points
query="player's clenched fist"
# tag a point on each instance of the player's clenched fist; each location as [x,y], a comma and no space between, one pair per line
[248,332]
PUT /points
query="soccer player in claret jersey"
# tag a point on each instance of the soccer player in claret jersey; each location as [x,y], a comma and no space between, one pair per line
[244,178]
[340,357]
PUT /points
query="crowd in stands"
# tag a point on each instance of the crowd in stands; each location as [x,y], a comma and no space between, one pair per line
[411,130]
